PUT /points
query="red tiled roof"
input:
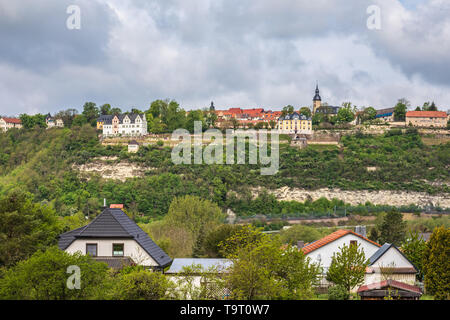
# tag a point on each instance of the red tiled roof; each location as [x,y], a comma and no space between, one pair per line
[330,238]
[116,206]
[390,283]
[11,120]
[426,114]
[235,110]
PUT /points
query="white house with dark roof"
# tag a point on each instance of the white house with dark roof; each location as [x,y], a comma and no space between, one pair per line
[392,260]
[381,258]
[114,238]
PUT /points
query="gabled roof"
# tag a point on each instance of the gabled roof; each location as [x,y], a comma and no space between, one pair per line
[385,112]
[384,248]
[133,142]
[332,237]
[426,114]
[114,223]
[389,283]
[11,120]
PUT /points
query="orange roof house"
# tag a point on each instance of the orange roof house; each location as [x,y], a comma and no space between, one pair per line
[8,123]
[12,120]
[332,237]
[427,118]
[426,114]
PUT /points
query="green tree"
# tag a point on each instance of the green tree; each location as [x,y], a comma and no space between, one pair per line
[433,107]
[44,276]
[194,214]
[346,113]
[253,274]
[116,111]
[67,116]
[400,109]
[338,292]
[298,275]
[210,118]
[105,109]
[142,284]
[79,120]
[263,269]
[427,106]
[305,111]
[348,267]
[136,110]
[216,236]
[300,232]
[195,115]
[393,228]
[318,118]
[436,264]
[287,110]
[414,248]
[25,227]
[368,114]
[29,122]
[234,123]
[91,113]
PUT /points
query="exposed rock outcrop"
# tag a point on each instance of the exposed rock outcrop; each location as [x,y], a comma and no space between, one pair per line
[355,197]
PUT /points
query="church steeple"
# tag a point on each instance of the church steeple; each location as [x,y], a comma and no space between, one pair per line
[317,100]
[317,96]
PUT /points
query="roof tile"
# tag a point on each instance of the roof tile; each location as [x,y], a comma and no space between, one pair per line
[330,238]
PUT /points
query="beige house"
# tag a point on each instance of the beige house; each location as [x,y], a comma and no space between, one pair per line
[8,123]
[295,124]
[437,119]
[52,122]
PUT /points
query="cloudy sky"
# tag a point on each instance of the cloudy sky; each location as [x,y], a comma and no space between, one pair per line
[240,53]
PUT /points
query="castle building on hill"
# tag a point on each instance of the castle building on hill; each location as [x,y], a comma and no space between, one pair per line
[123,125]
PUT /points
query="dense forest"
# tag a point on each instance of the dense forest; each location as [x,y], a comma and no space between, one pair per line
[39,161]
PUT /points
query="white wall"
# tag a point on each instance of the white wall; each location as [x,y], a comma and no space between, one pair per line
[392,256]
[408,278]
[132,249]
[325,253]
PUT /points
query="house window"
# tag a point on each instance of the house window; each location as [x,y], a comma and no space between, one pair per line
[353,242]
[117,249]
[91,249]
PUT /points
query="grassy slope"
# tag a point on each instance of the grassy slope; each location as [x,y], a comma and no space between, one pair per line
[39,161]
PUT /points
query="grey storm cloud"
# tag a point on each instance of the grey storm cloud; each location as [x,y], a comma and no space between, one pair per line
[236,52]
[34,33]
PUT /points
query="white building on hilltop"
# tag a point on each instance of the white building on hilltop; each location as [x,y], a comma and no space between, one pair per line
[124,125]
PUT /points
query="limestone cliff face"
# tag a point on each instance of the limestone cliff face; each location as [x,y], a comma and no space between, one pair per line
[355,197]
[110,168]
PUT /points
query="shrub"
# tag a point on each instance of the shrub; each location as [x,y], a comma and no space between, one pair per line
[338,292]
[144,285]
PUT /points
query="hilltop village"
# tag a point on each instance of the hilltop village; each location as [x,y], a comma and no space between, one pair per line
[357,186]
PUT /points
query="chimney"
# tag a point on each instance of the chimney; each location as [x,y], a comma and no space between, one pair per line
[104,204]
[361,230]
[300,244]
